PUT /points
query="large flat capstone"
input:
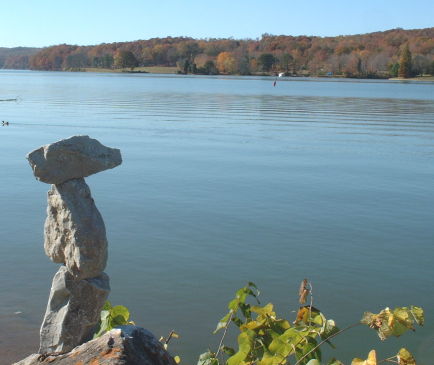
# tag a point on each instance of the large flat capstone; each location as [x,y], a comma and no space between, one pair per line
[71,158]
[74,230]
[73,310]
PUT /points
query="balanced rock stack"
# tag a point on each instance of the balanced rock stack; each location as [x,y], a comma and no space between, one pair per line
[75,237]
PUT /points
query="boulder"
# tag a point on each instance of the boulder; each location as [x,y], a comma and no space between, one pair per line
[74,230]
[126,345]
[73,311]
[71,158]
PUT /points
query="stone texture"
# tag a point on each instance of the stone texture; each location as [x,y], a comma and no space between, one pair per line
[74,230]
[71,158]
[73,310]
[128,345]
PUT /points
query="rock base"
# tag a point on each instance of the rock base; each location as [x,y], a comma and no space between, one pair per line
[73,311]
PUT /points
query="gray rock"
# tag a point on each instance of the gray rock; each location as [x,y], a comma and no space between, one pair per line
[72,158]
[73,310]
[74,230]
[128,345]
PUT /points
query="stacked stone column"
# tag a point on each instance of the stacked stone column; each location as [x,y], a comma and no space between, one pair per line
[74,236]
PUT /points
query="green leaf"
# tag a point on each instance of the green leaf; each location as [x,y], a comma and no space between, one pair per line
[234,304]
[418,315]
[305,348]
[107,306]
[253,325]
[252,285]
[265,310]
[120,311]
[405,357]
[245,309]
[270,361]
[241,295]
[105,314]
[223,322]
[282,345]
[118,321]
[228,350]
[104,326]
[393,323]
[245,344]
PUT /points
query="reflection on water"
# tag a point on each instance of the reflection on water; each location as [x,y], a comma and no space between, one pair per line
[225,180]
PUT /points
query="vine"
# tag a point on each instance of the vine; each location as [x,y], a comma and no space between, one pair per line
[266,339]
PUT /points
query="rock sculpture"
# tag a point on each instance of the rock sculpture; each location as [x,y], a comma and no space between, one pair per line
[75,237]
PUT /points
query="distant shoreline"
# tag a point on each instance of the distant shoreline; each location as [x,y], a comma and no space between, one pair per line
[174,70]
[167,70]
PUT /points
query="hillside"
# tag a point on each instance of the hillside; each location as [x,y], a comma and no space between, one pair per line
[16,58]
[363,55]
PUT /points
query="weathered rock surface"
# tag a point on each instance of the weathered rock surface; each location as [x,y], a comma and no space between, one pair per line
[128,345]
[73,310]
[74,230]
[72,158]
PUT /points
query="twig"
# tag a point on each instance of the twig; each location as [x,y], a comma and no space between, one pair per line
[389,359]
[311,301]
[169,337]
[224,333]
[325,340]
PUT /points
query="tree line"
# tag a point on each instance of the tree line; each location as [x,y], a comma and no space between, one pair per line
[372,55]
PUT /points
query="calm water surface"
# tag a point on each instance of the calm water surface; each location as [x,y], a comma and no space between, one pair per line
[227,180]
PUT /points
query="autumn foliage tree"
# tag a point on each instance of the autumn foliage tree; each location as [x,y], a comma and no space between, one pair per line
[123,59]
[226,63]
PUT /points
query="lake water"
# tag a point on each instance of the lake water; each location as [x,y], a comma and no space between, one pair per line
[227,180]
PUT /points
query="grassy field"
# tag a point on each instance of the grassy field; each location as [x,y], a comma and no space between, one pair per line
[150,69]
[418,78]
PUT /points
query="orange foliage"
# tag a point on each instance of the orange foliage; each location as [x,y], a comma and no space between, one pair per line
[359,55]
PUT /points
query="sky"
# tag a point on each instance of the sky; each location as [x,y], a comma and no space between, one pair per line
[41,23]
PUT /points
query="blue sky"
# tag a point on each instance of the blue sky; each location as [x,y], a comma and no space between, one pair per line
[47,22]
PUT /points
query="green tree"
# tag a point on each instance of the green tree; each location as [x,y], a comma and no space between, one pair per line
[393,69]
[189,50]
[76,60]
[405,63]
[266,61]
[124,59]
[285,61]
[210,68]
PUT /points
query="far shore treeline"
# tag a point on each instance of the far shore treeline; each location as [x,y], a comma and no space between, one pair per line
[392,53]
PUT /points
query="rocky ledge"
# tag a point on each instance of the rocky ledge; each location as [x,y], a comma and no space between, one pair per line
[126,345]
